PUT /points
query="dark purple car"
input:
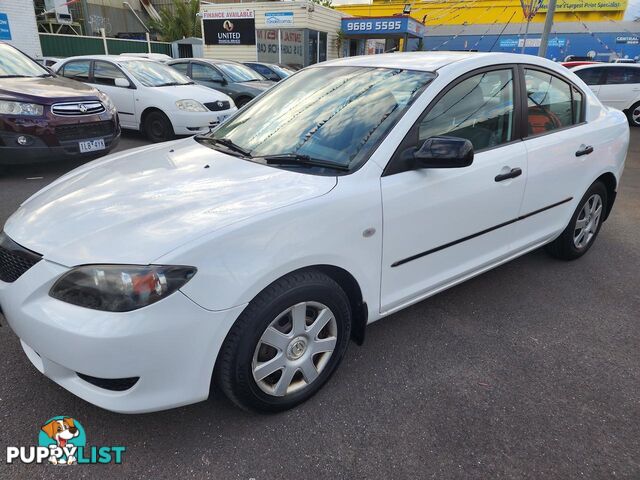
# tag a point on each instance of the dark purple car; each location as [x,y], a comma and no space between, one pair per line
[45,117]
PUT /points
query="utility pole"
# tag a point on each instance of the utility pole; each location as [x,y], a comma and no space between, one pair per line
[548,23]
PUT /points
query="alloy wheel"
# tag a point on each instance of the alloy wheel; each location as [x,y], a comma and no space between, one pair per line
[294,349]
[588,221]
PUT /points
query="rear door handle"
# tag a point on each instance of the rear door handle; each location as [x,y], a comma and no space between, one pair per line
[584,150]
[515,172]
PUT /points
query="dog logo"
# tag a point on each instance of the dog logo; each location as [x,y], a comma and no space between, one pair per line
[227,25]
[63,433]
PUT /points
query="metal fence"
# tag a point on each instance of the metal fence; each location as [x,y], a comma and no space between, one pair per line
[69,45]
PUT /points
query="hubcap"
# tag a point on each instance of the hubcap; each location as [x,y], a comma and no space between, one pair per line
[588,221]
[636,116]
[295,349]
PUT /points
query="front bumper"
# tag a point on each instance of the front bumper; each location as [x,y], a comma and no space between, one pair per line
[171,345]
[192,123]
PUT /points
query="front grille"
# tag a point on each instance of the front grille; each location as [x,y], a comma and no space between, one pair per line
[82,131]
[14,259]
[217,106]
[77,108]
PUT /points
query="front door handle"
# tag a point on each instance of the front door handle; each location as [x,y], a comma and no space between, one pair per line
[584,150]
[515,172]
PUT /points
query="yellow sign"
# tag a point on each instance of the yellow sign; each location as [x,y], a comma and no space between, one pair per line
[587,5]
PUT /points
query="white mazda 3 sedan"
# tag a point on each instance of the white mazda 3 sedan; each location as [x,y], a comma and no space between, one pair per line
[246,259]
[150,96]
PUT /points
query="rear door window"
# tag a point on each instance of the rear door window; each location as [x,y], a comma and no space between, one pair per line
[592,76]
[77,70]
[550,103]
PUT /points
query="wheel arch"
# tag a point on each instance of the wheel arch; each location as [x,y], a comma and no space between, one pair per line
[147,111]
[611,184]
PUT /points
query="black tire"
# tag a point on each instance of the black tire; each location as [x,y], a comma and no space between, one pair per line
[234,369]
[157,127]
[564,247]
[632,121]
[242,101]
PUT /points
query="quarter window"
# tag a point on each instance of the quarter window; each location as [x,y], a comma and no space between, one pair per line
[550,103]
[78,70]
[106,73]
[479,109]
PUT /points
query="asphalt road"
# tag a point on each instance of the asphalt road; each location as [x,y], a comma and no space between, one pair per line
[529,371]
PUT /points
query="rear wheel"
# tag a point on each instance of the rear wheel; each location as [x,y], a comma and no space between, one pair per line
[286,343]
[584,226]
[633,114]
[157,127]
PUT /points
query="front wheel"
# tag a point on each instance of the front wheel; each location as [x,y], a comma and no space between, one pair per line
[157,127]
[286,344]
[584,226]
[633,114]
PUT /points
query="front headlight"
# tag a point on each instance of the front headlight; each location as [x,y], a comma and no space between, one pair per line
[20,108]
[106,101]
[120,288]
[191,106]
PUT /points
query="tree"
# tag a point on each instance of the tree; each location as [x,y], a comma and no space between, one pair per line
[324,3]
[178,22]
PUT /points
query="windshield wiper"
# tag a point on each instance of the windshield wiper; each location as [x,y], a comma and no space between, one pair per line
[304,160]
[172,84]
[227,143]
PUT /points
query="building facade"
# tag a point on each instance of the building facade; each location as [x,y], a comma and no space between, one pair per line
[18,26]
[474,12]
[293,33]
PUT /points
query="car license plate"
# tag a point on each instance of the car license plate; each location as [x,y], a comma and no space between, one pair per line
[92,145]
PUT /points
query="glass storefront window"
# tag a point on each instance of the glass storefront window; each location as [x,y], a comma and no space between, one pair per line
[298,47]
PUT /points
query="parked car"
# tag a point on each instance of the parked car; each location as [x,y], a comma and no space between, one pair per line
[44,117]
[235,79]
[571,65]
[271,71]
[624,60]
[616,86]
[158,57]
[151,96]
[249,257]
[48,61]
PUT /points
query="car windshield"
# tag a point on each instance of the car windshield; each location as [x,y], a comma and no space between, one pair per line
[15,64]
[152,74]
[282,71]
[333,115]
[239,73]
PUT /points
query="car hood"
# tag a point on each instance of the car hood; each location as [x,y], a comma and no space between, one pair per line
[260,85]
[45,90]
[192,92]
[136,206]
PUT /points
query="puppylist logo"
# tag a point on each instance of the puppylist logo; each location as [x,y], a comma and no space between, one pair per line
[62,441]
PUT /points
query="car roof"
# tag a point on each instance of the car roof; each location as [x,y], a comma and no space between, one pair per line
[426,61]
[606,65]
[206,60]
[111,58]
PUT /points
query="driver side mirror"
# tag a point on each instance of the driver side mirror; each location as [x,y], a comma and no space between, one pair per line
[443,152]
[122,82]
[218,79]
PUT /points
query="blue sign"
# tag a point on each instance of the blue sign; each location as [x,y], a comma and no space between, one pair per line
[382,26]
[278,18]
[5,30]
